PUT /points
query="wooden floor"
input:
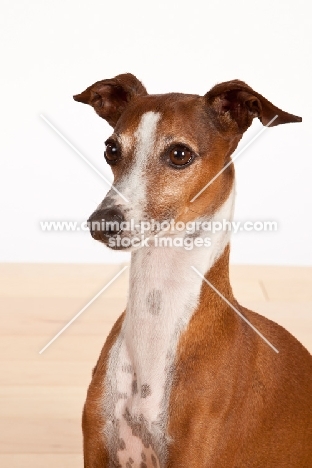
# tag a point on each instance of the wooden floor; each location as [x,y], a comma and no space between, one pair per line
[41,396]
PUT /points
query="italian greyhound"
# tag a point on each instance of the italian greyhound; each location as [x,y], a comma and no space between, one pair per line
[182,380]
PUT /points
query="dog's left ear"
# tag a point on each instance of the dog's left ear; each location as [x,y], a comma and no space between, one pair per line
[235,104]
[109,98]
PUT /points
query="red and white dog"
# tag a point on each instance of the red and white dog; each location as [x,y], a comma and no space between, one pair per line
[182,381]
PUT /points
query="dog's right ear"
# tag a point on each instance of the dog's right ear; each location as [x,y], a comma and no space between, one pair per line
[109,98]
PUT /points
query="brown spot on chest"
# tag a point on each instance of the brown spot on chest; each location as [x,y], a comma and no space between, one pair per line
[145,390]
[154,301]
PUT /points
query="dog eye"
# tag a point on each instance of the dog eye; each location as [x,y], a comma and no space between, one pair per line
[180,156]
[111,152]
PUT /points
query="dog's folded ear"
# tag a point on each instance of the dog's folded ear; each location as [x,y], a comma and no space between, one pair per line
[110,97]
[235,105]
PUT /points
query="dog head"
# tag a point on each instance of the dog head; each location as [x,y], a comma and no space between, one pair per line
[165,148]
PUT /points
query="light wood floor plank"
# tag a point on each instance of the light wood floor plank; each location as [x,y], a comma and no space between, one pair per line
[41,372]
[40,435]
[49,403]
[59,280]
[35,460]
[47,316]
[66,347]
[288,289]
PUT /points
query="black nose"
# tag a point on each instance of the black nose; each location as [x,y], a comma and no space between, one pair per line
[104,224]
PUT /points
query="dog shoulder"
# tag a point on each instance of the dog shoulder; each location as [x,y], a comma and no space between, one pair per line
[100,366]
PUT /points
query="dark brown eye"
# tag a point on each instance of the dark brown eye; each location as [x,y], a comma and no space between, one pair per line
[180,156]
[111,152]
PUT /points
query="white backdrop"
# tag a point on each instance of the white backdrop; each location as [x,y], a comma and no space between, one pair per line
[54,49]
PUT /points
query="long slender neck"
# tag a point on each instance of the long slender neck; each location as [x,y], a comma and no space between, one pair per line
[164,291]
[165,296]
[163,282]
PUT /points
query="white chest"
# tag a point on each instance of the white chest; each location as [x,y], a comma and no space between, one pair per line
[164,292]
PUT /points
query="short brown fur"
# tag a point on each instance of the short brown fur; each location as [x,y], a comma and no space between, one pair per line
[234,403]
